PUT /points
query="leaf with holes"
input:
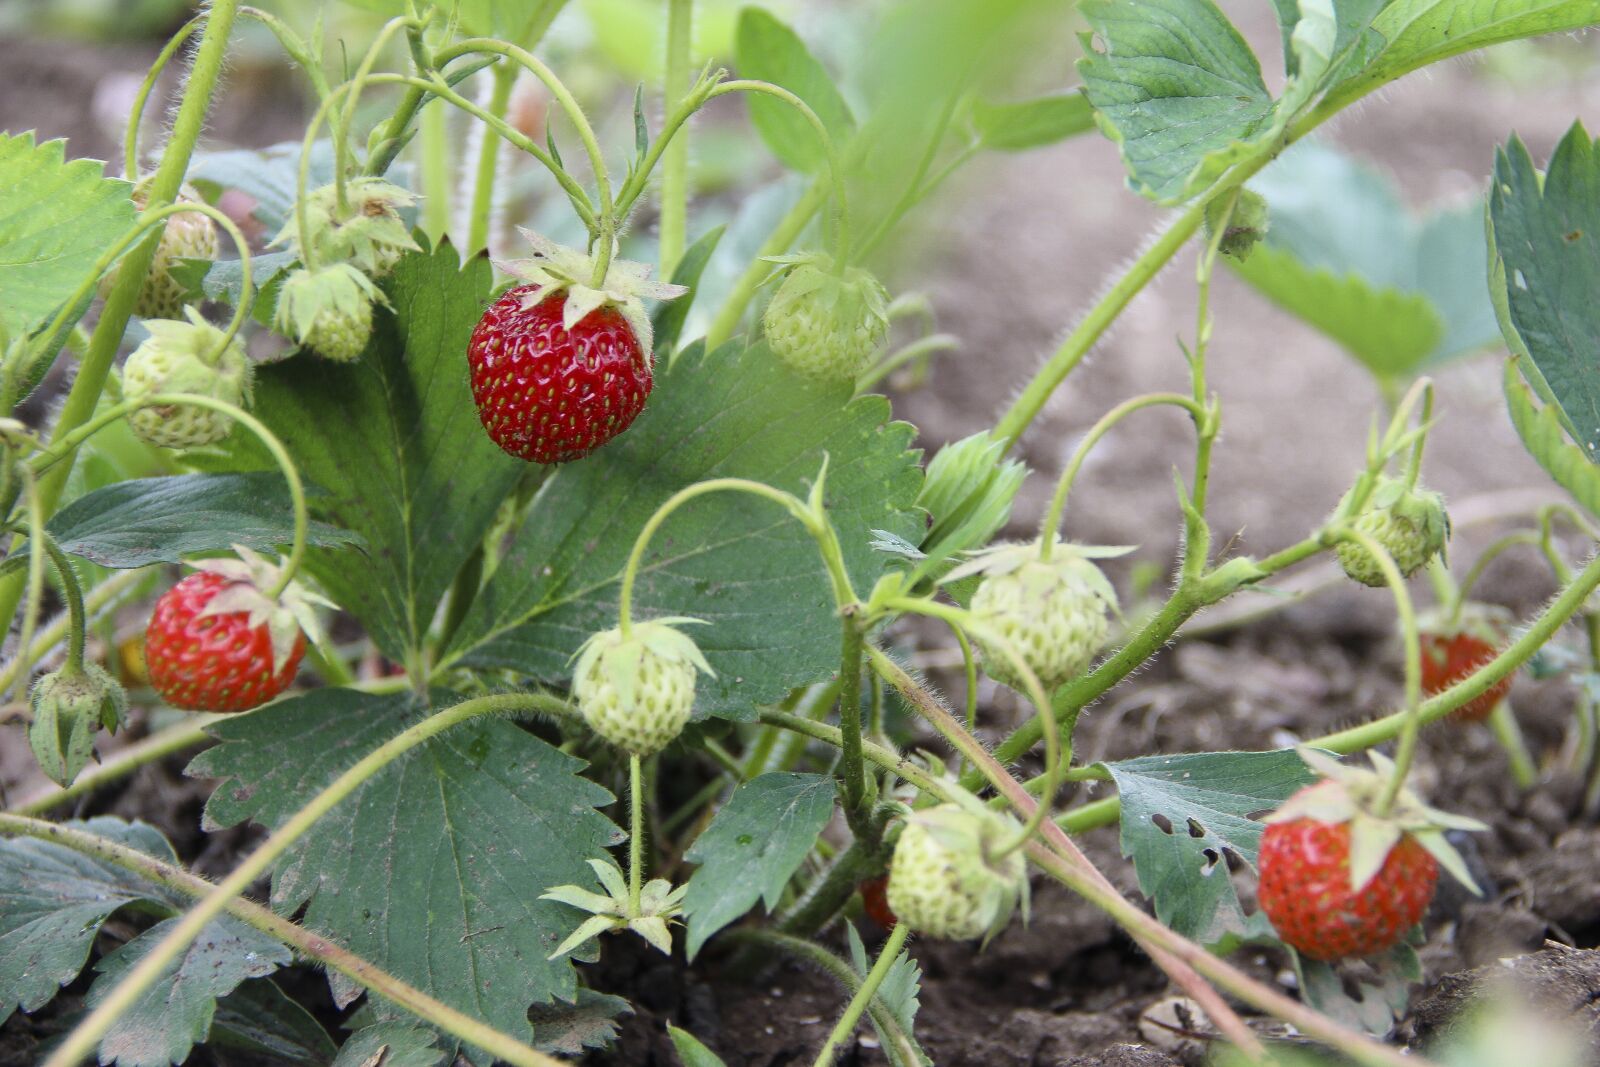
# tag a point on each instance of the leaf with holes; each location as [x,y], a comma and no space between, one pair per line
[741,564]
[433,868]
[1376,996]
[1182,817]
[56,219]
[752,848]
[175,1014]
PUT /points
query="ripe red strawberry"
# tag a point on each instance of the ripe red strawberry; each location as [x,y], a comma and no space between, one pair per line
[1305,890]
[548,394]
[1449,657]
[217,642]
[875,900]
[212,662]
[561,365]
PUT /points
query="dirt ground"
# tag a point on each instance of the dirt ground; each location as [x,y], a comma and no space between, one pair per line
[1026,243]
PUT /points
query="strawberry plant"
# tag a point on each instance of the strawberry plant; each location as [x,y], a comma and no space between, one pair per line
[544,609]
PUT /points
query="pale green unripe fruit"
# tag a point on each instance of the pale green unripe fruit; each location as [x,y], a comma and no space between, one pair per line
[825,324]
[341,337]
[188,235]
[1410,524]
[945,880]
[328,310]
[637,692]
[185,357]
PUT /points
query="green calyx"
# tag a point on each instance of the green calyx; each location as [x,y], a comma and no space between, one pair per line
[1352,795]
[328,310]
[558,269]
[824,322]
[185,357]
[637,690]
[968,491]
[367,232]
[660,904]
[288,615]
[1410,523]
[948,879]
[69,707]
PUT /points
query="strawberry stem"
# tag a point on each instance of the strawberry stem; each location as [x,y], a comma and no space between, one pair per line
[863,996]
[635,834]
[1503,721]
[130,140]
[673,227]
[77,621]
[1412,725]
[1050,524]
[1522,537]
[35,586]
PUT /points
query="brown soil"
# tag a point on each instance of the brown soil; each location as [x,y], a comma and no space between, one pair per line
[1033,239]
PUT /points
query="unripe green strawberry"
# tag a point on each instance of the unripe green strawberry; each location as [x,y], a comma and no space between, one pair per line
[367,231]
[824,322]
[945,880]
[69,706]
[328,310]
[1053,613]
[637,691]
[1411,524]
[185,357]
[188,235]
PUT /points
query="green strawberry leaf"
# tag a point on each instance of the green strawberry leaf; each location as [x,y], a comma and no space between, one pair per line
[752,848]
[53,902]
[175,1013]
[768,50]
[569,1029]
[1177,88]
[392,1044]
[457,838]
[897,994]
[1415,33]
[666,325]
[160,520]
[691,1051]
[1181,818]
[56,219]
[1381,993]
[1547,237]
[739,563]
[1542,434]
[395,441]
[1032,123]
[1342,252]
[258,1026]
[270,176]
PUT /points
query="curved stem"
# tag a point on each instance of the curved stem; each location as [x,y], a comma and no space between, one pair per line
[35,587]
[1414,465]
[863,996]
[1051,523]
[1413,645]
[921,348]
[347,118]
[819,529]
[783,236]
[635,833]
[99,597]
[130,139]
[297,493]
[77,620]
[841,222]
[1488,556]
[81,1042]
[307,944]
[607,221]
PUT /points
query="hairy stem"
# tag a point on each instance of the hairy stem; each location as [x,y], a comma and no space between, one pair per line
[674,199]
[863,996]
